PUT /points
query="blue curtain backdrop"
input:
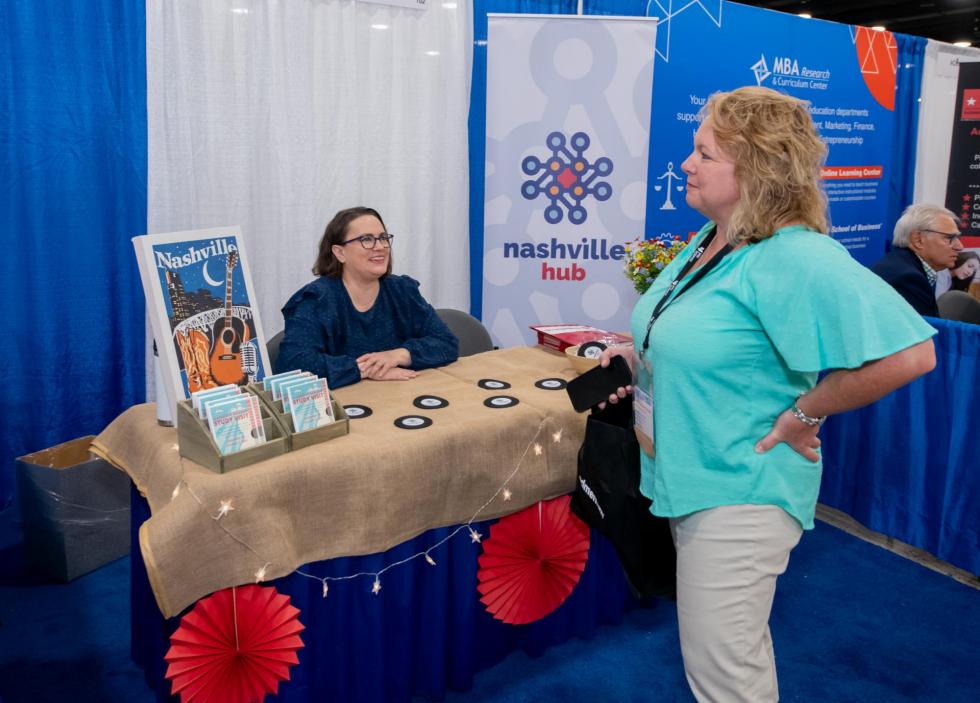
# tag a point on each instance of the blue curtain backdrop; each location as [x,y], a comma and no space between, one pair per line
[906,466]
[908,90]
[72,193]
[621,8]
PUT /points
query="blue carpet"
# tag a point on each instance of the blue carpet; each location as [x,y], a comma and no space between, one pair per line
[851,622]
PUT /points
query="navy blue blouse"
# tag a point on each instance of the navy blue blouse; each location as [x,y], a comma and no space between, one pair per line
[325,333]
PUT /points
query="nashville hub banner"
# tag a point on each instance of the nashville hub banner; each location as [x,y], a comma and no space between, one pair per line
[568,131]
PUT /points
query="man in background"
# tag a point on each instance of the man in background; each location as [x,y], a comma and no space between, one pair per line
[926,241]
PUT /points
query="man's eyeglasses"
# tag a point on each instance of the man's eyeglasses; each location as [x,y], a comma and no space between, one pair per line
[369,241]
[951,239]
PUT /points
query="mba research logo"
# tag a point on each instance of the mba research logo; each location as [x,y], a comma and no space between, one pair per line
[566,178]
[786,72]
[761,70]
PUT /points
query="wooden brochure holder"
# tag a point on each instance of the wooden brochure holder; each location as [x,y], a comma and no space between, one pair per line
[197,443]
[298,440]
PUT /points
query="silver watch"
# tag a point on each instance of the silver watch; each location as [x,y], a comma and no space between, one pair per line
[803,417]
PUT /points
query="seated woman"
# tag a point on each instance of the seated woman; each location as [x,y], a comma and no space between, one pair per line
[358,320]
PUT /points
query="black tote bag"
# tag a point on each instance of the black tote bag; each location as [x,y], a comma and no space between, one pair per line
[607,497]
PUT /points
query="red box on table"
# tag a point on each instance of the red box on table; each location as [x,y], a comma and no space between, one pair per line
[560,337]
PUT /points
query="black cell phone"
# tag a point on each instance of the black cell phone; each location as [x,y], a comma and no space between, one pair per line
[596,385]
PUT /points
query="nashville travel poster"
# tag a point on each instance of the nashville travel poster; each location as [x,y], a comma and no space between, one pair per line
[199,300]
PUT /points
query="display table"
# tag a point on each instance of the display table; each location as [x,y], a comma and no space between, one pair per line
[356,504]
[425,633]
[358,494]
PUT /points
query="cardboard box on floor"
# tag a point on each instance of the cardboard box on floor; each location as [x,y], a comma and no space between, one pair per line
[75,510]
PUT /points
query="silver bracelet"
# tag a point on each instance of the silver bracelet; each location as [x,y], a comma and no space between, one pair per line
[803,417]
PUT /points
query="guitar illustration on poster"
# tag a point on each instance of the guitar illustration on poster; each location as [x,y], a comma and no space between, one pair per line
[215,334]
[229,334]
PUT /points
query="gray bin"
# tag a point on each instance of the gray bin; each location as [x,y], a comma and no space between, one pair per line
[75,510]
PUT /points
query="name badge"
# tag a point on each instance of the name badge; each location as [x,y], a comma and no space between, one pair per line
[643,405]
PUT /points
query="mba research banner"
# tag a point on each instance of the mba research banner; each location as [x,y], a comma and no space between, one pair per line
[846,73]
[568,130]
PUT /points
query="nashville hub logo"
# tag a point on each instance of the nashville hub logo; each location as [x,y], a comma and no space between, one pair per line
[566,178]
[786,72]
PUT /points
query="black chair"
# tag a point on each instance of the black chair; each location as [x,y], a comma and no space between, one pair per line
[472,335]
[272,347]
[960,306]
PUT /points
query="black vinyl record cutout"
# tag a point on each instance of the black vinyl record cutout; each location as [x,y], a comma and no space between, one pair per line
[501,401]
[430,402]
[551,384]
[356,412]
[492,384]
[591,350]
[413,422]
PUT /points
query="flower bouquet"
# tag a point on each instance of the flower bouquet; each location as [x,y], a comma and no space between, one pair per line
[646,258]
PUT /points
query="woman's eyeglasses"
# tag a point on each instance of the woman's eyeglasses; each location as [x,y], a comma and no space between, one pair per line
[951,239]
[369,241]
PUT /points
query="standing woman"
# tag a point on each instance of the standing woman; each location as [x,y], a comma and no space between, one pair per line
[357,319]
[728,344]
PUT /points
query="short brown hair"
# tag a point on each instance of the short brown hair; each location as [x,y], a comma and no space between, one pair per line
[336,231]
[777,153]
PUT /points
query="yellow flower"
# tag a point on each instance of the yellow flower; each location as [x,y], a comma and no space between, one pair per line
[646,258]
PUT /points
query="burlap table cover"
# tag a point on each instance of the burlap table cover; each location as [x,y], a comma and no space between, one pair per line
[358,494]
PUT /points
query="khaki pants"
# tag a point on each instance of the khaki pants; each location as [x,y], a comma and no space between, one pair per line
[728,559]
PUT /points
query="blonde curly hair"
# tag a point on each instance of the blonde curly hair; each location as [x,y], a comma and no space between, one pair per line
[777,153]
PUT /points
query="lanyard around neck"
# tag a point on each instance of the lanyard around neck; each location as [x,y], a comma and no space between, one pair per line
[701,273]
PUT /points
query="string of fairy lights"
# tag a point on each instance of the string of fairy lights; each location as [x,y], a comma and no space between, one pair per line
[226,505]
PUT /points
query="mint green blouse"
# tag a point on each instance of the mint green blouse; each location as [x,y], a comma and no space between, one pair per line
[734,351]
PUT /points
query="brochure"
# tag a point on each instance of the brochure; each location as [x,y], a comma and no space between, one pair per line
[309,403]
[200,396]
[236,424]
[284,388]
[267,381]
[275,386]
[215,399]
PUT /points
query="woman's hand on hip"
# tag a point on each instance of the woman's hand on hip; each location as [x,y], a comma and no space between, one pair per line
[802,438]
[847,389]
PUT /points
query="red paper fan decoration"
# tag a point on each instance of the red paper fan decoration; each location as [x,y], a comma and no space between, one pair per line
[531,561]
[235,646]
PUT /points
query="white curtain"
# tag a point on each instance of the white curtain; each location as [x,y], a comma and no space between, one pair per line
[274,114]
